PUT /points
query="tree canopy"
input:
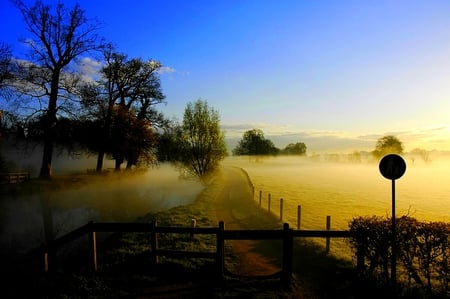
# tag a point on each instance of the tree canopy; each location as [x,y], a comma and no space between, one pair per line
[298,148]
[202,142]
[388,144]
[123,102]
[253,142]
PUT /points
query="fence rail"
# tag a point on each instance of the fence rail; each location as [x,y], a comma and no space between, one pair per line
[286,235]
[14,177]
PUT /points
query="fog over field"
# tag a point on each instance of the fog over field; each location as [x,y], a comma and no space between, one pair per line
[345,190]
[109,199]
[340,189]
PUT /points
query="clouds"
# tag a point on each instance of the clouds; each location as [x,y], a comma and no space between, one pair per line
[166,70]
[89,68]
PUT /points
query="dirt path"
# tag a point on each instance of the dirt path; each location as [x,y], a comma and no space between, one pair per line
[250,268]
[236,208]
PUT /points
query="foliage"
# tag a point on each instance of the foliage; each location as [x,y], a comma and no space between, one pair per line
[122,101]
[202,143]
[422,251]
[168,148]
[298,148]
[131,139]
[387,145]
[254,143]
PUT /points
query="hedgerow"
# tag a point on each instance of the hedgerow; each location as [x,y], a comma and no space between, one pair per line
[423,253]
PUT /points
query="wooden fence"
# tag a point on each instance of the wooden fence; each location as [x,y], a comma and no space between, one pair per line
[14,177]
[286,234]
[281,206]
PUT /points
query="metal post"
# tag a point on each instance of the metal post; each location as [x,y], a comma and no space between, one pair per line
[394,243]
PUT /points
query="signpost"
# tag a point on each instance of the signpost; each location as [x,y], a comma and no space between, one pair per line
[392,167]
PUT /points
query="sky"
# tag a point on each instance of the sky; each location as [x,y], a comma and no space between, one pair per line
[336,75]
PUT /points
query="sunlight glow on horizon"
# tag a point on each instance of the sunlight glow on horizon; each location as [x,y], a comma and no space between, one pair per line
[337,74]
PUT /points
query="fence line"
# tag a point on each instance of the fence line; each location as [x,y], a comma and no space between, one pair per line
[281,210]
[14,177]
[286,235]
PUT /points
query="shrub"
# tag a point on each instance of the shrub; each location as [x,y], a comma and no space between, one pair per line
[422,251]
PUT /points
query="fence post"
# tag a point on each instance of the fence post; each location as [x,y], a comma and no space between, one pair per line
[288,250]
[299,215]
[193,225]
[281,209]
[154,242]
[268,203]
[260,197]
[328,227]
[44,250]
[93,246]
[220,250]
[49,257]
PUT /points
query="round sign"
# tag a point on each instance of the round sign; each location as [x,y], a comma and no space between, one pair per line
[392,166]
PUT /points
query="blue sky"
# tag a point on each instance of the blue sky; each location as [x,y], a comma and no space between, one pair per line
[336,75]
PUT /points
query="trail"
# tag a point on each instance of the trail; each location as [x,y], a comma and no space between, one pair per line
[236,208]
[246,260]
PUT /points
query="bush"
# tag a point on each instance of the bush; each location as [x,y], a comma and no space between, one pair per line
[423,253]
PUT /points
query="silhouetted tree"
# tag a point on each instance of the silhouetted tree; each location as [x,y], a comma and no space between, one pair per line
[202,142]
[422,153]
[298,148]
[6,73]
[126,86]
[58,37]
[168,148]
[388,144]
[254,143]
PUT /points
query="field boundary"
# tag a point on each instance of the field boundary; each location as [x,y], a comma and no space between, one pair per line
[14,177]
[286,234]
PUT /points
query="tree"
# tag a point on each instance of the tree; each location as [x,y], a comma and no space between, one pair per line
[59,37]
[298,148]
[6,72]
[388,144]
[127,89]
[254,143]
[422,153]
[202,142]
[168,147]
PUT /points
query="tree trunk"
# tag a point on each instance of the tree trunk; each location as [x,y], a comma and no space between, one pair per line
[100,156]
[46,167]
[118,163]
[50,123]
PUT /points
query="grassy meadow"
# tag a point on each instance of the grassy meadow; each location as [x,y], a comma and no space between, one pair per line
[346,190]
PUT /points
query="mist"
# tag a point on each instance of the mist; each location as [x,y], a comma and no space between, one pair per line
[345,190]
[109,198]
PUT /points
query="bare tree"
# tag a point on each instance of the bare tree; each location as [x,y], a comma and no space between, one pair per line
[59,36]
[5,64]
